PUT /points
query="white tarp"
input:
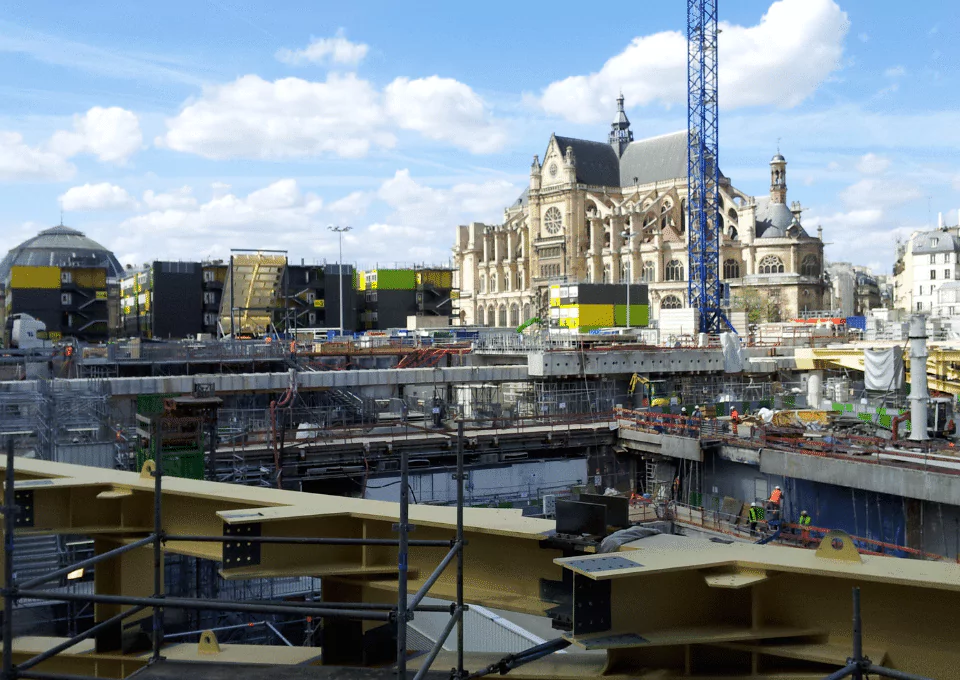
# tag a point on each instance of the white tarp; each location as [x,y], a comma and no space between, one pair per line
[732,361]
[883,369]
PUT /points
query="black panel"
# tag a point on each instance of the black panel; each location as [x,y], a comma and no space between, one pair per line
[342,642]
[177,309]
[241,553]
[618,508]
[611,294]
[331,298]
[591,605]
[581,518]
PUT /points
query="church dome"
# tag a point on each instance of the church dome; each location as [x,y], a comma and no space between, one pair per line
[60,246]
[778,159]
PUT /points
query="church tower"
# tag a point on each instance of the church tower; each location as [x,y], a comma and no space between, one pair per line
[778,179]
[620,133]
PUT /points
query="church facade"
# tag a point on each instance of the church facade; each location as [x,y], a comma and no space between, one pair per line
[616,212]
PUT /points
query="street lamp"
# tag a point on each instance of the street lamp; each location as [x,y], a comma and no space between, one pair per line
[626,235]
[340,231]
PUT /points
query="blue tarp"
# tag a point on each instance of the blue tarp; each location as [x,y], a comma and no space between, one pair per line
[857,322]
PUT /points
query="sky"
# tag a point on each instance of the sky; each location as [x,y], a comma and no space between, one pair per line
[180,130]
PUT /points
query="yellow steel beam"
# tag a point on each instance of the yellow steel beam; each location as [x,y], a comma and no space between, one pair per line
[677,607]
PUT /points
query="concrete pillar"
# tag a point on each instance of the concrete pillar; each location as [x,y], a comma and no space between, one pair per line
[814,388]
[918,378]
[497,249]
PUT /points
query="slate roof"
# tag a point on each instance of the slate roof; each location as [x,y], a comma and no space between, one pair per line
[60,246]
[945,242]
[773,219]
[597,162]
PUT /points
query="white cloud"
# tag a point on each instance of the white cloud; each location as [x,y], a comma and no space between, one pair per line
[872,164]
[103,196]
[178,198]
[870,193]
[446,110]
[335,50]
[895,72]
[808,35]
[112,134]
[287,118]
[415,204]
[18,161]
[354,203]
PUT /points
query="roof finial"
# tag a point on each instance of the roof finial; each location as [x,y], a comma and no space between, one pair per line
[61,217]
[778,144]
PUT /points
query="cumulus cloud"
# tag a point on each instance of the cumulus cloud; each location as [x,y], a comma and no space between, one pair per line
[808,37]
[415,204]
[872,164]
[446,110]
[354,203]
[103,196]
[19,161]
[288,118]
[335,50]
[873,193]
[178,198]
[111,134]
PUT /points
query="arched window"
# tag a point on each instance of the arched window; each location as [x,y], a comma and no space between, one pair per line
[606,274]
[732,214]
[520,280]
[480,316]
[674,271]
[671,302]
[514,315]
[810,266]
[553,220]
[506,281]
[493,283]
[625,272]
[731,269]
[526,312]
[503,315]
[649,272]
[606,238]
[771,264]
[491,316]
[683,216]
[483,284]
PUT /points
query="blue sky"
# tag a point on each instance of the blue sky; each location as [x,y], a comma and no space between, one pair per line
[181,129]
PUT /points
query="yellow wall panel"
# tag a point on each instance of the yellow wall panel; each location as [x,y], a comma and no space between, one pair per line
[35,277]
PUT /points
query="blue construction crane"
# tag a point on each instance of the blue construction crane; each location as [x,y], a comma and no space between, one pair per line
[703,202]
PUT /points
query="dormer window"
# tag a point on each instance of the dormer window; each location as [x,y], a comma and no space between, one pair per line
[934,242]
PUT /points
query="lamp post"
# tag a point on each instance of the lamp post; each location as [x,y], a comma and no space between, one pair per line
[340,231]
[628,236]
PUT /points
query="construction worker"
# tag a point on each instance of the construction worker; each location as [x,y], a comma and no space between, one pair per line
[804,523]
[756,515]
[734,420]
[775,496]
[684,421]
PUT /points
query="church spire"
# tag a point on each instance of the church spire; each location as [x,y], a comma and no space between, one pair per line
[620,133]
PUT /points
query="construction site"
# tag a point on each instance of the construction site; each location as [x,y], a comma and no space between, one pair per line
[279,498]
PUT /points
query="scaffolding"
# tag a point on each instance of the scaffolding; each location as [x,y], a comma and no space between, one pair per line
[16,511]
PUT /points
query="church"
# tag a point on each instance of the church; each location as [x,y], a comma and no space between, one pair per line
[616,212]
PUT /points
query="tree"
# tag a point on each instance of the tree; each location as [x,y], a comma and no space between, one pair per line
[761,306]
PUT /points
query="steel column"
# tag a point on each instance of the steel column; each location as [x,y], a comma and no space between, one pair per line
[9,588]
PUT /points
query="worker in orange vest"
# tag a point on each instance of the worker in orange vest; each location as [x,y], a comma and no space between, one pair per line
[775,496]
[734,419]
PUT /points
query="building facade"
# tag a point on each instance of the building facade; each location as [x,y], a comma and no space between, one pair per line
[924,263]
[615,212]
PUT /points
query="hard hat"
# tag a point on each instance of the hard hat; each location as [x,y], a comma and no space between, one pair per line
[753,505]
[683,409]
[803,512]
[778,488]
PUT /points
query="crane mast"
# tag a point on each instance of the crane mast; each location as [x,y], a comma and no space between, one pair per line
[703,201]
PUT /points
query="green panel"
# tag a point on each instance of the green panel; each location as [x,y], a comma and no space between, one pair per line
[151,404]
[885,421]
[848,407]
[188,464]
[396,279]
[865,417]
[836,406]
[639,315]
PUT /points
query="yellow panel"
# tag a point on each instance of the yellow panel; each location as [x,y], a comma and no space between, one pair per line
[34,277]
[89,277]
[319,303]
[596,315]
